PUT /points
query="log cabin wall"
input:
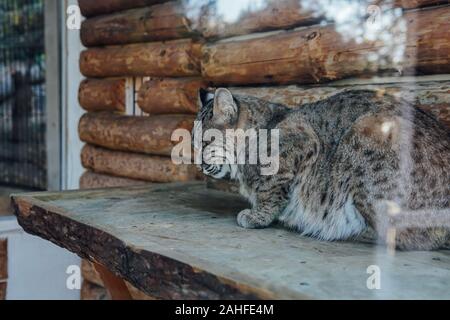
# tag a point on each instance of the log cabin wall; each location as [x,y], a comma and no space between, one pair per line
[146,59]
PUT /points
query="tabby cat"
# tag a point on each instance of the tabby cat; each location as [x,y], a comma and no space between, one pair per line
[347,165]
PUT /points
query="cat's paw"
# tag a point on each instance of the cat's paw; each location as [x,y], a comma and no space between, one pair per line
[248,220]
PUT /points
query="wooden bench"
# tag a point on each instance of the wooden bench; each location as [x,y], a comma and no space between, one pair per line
[181,241]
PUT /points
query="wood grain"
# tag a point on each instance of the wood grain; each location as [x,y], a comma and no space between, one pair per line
[324,53]
[178,58]
[151,135]
[166,21]
[170,96]
[102,95]
[136,166]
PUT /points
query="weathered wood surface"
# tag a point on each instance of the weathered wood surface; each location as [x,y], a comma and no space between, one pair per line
[167,96]
[136,166]
[166,21]
[433,96]
[102,95]
[325,53]
[3,259]
[182,241]
[151,135]
[222,185]
[177,58]
[91,8]
[93,180]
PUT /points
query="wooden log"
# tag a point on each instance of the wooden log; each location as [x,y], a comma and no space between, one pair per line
[92,180]
[178,58]
[3,259]
[325,53]
[91,8]
[433,96]
[166,21]
[273,15]
[102,95]
[285,14]
[151,135]
[136,166]
[166,96]
[92,292]
[412,4]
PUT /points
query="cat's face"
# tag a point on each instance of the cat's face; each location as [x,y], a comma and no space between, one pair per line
[219,111]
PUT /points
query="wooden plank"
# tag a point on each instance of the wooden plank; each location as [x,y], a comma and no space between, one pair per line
[170,96]
[136,166]
[166,21]
[151,135]
[93,180]
[324,53]
[178,58]
[150,236]
[91,8]
[432,96]
[102,95]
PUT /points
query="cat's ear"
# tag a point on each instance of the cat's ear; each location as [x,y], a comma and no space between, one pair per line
[225,109]
[204,96]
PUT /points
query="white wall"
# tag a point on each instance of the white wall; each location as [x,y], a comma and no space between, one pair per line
[71,110]
[37,268]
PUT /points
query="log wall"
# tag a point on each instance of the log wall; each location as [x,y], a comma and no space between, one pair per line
[287,51]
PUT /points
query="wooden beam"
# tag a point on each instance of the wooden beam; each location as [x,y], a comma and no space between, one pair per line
[91,8]
[432,96]
[166,21]
[136,166]
[151,135]
[102,95]
[178,58]
[167,96]
[325,53]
